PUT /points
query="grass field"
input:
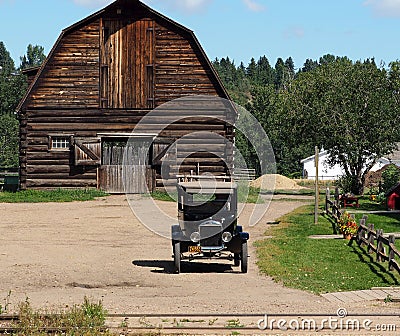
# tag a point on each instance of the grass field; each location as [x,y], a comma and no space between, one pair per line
[58,195]
[320,266]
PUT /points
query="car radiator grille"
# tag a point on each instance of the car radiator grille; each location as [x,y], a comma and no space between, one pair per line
[210,234]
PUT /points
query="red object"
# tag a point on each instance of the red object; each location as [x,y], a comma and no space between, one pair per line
[350,201]
[393,199]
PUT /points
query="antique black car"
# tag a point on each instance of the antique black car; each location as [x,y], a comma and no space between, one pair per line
[207,213]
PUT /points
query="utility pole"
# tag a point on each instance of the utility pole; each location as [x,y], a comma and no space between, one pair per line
[316,185]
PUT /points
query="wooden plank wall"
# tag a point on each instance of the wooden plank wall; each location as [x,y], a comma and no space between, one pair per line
[148,61]
[127,61]
[71,77]
[138,179]
[180,69]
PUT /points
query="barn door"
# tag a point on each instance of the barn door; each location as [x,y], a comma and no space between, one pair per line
[87,151]
[125,167]
[127,63]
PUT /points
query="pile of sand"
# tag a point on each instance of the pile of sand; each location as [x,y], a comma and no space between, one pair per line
[281,183]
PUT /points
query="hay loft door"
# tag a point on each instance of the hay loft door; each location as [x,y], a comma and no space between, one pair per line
[127,63]
[125,166]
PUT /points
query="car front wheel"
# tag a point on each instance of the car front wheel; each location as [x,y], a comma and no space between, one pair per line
[177,257]
[244,256]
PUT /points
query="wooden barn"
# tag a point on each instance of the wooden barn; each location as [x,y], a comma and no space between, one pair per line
[103,75]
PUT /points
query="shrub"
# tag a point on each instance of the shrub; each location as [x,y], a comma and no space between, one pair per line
[390,178]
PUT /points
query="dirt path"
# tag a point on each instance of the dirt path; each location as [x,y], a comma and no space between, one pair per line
[56,254]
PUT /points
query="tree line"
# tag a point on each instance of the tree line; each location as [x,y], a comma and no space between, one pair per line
[350,108]
[13,85]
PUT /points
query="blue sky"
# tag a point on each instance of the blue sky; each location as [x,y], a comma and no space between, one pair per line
[240,29]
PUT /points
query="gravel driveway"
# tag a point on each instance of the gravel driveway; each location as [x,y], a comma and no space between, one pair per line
[56,254]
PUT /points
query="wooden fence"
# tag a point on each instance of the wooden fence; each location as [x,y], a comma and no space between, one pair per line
[375,242]
[244,174]
[332,207]
[366,236]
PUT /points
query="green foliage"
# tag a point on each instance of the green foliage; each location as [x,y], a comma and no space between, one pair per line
[349,109]
[59,195]
[345,183]
[12,88]
[319,266]
[34,57]
[390,178]
[9,141]
[86,319]
[6,62]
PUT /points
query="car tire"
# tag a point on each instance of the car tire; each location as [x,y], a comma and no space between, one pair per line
[244,257]
[177,257]
[236,259]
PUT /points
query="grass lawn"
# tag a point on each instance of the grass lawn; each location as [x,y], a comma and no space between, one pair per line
[318,266]
[58,195]
[367,205]
[387,222]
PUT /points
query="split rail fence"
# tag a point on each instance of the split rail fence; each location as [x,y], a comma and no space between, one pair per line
[374,241]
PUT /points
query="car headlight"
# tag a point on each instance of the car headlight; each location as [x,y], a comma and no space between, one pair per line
[195,237]
[226,237]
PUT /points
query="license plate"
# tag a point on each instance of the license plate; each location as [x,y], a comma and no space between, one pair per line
[195,249]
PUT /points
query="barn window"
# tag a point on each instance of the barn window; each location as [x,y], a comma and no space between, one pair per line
[60,142]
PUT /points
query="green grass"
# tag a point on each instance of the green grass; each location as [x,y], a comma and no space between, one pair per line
[306,192]
[85,319]
[366,204]
[247,194]
[164,196]
[58,195]
[318,266]
[389,222]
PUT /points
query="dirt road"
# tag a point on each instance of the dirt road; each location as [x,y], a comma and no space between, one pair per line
[56,254]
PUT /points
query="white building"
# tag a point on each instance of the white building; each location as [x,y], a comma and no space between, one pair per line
[327,172]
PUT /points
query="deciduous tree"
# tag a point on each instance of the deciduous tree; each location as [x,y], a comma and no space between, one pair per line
[350,109]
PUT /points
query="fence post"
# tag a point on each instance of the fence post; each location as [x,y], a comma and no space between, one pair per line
[379,234]
[370,237]
[360,231]
[327,198]
[392,240]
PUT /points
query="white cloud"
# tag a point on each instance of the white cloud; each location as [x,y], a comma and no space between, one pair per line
[254,6]
[385,8]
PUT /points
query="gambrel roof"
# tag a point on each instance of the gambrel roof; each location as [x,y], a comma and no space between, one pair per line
[115,6]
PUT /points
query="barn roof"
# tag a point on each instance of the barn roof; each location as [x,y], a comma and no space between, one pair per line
[98,15]
[392,190]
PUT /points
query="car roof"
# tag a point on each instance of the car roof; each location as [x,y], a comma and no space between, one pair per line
[208,187]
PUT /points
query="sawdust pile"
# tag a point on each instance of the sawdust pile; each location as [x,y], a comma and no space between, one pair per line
[281,182]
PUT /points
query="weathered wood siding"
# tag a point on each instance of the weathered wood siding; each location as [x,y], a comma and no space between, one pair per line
[103,75]
[127,63]
[180,68]
[71,76]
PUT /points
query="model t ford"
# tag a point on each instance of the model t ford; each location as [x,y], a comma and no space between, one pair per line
[207,213]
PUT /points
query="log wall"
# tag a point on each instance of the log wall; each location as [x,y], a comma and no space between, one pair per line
[103,75]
